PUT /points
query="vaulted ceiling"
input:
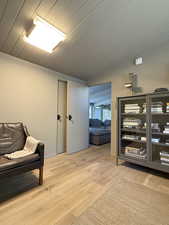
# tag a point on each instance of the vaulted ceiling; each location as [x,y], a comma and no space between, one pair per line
[101,34]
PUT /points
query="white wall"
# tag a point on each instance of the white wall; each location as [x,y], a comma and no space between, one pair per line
[154,73]
[28,93]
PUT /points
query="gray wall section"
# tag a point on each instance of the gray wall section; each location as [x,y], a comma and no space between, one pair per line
[28,93]
[154,73]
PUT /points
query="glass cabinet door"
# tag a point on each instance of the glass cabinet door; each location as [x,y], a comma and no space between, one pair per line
[159,129]
[133,127]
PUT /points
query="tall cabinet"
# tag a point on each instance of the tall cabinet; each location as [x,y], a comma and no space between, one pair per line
[143,130]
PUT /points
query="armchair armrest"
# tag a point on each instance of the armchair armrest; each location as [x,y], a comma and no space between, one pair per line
[40,151]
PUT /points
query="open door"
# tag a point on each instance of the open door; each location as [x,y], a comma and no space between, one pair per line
[77,117]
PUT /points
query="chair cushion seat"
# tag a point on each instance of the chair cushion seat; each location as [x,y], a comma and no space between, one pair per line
[6,164]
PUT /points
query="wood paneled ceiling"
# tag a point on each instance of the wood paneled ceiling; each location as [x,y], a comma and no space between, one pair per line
[100,33]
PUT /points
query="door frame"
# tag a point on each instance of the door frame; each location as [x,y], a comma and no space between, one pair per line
[97,84]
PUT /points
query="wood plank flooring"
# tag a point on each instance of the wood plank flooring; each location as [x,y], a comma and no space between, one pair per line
[86,188]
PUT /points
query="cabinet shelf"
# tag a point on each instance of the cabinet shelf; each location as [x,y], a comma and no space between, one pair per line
[138,141]
[160,114]
[133,114]
[133,159]
[160,144]
[160,133]
[134,130]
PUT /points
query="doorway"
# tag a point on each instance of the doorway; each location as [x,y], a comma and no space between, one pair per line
[100,114]
[61,117]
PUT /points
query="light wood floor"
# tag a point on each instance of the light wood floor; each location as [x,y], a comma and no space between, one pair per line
[86,189]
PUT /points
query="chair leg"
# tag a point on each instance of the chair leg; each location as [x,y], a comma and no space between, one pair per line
[41,176]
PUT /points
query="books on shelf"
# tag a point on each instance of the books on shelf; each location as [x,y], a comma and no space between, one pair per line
[130,137]
[132,108]
[144,108]
[164,158]
[167,107]
[157,107]
[166,129]
[164,164]
[131,123]
[155,140]
[144,126]
[133,137]
[135,152]
[155,127]
[143,138]
[167,141]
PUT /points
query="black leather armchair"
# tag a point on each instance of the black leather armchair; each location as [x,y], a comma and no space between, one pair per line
[12,138]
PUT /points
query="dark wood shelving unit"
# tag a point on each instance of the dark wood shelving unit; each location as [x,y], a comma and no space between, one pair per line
[152,149]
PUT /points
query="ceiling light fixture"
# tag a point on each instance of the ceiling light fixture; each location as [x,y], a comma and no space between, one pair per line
[44,36]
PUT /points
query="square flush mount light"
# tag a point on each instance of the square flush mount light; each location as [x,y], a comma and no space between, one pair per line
[44,36]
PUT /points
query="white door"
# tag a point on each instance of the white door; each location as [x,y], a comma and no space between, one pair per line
[61,116]
[78,117]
